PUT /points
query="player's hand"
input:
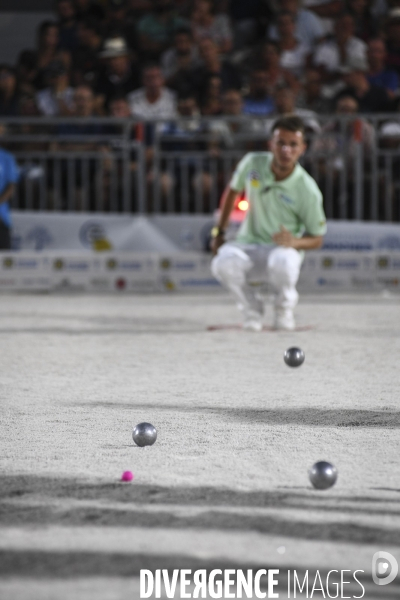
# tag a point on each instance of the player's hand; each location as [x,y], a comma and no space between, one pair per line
[216,243]
[284,238]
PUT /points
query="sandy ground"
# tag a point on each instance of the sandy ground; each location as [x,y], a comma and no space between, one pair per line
[226,484]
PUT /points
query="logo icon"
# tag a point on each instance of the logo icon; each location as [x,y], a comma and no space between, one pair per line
[327,263]
[58,264]
[384,568]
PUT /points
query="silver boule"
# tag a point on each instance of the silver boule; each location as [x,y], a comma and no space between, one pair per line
[294,357]
[323,475]
[144,434]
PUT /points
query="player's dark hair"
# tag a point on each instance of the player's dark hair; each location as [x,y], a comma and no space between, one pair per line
[290,123]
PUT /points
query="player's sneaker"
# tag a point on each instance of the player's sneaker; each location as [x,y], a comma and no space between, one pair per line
[284,319]
[252,320]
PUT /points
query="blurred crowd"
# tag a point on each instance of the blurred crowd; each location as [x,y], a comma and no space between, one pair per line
[242,63]
[254,57]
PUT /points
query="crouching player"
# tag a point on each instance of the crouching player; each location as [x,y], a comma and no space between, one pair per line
[285,217]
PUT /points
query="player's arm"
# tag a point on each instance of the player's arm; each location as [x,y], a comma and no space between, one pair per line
[286,239]
[8,193]
[218,232]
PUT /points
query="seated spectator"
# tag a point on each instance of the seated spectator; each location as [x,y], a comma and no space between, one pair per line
[310,96]
[327,11]
[213,65]
[120,74]
[210,101]
[183,56]
[153,100]
[205,24]
[58,97]
[89,9]
[85,58]
[336,149]
[370,97]
[230,134]
[120,22]
[245,18]
[47,51]
[338,55]
[67,24]
[365,25]
[270,59]
[258,102]
[392,32]
[285,103]
[308,28]
[294,53]
[9,97]
[26,72]
[156,30]
[377,73]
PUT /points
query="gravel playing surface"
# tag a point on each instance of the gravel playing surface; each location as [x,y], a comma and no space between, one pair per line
[226,483]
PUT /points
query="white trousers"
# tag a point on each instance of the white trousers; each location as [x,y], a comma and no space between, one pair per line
[236,265]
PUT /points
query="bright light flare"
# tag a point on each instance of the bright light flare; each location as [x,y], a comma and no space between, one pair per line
[243,205]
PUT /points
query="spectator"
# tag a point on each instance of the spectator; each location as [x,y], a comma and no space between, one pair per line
[364,23]
[213,65]
[327,11]
[310,96]
[378,74]
[308,28]
[337,148]
[85,58]
[47,51]
[294,53]
[8,91]
[211,96]
[120,23]
[26,72]
[121,74]
[153,100]
[392,31]
[258,102]
[285,104]
[89,9]
[231,134]
[270,59]
[245,17]
[370,97]
[8,178]
[183,56]
[205,24]
[67,25]
[156,30]
[119,107]
[338,55]
[58,97]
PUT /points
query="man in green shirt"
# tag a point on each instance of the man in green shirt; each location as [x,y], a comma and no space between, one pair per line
[285,217]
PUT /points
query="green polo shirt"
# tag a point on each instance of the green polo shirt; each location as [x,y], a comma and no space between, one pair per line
[294,202]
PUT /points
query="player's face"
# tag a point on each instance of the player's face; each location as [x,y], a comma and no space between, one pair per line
[287,147]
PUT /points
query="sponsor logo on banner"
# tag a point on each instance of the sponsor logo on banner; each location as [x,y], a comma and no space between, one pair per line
[120,283]
[40,236]
[323,281]
[58,264]
[7,282]
[111,264]
[390,242]
[71,264]
[207,282]
[20,263]
[8,262]
[93,235]
[347,264]
[327,262]
[179,265]
[382,262]
[168,284]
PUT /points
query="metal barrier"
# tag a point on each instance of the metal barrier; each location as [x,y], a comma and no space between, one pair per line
[182,166]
